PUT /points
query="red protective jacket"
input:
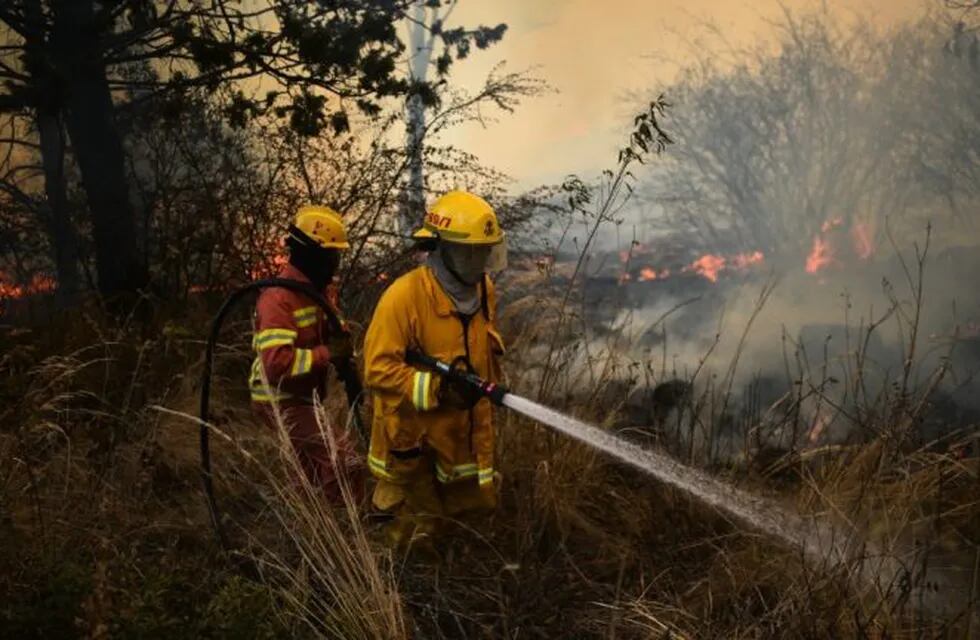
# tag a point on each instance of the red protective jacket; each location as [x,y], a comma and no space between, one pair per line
[289,344]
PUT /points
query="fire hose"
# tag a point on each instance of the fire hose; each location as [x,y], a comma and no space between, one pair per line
[750,510]
[812,537]
[491,390]
[346,373]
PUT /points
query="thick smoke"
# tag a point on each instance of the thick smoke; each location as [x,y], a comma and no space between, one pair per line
[829,156]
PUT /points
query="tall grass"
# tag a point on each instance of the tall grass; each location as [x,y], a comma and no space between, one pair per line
[322,564]
[100,507]
[900,506]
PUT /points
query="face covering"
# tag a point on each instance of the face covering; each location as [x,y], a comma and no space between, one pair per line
[467,262]
[316,263]
[465,297]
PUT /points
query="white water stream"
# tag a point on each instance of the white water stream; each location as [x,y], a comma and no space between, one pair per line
[750,510]
[820,540]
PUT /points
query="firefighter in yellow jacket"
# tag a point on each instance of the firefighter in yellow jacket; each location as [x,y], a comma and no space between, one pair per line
[432,437]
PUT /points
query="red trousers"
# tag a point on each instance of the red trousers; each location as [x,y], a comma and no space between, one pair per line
[312,449]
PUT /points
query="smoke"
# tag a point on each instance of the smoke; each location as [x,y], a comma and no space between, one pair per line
[815,353]
[834,124]
[772,255]
[827,154]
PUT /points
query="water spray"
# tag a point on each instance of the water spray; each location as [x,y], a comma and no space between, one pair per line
[819,540]
[750,510]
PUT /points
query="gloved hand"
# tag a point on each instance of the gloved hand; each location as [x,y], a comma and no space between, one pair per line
[456,394]
[340,345]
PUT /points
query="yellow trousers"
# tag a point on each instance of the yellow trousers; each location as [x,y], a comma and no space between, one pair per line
[423,507]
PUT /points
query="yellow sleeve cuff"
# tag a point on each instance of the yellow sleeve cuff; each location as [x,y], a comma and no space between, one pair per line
[423,391]
[302,362]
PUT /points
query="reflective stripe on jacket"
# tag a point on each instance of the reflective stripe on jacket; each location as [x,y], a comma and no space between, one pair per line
[288,340]
[416,313]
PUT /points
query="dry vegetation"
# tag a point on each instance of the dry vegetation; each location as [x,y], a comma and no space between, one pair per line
[105,532]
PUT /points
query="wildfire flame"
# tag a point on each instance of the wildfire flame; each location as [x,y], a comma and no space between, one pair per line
[745,260]
[708,266]
[830,224]
[826,249]
[269,267]
[39,283]
[820,424]
[646,273]
[635,249]
[820,255]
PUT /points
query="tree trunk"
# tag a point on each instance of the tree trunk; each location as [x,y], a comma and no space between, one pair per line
[61,232]
[98,149]
[418,68]
[56,216]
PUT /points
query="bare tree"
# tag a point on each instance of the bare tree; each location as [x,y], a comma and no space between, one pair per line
[428,28]
[841,126]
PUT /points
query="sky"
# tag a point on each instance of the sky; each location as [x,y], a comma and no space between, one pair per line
[595,54]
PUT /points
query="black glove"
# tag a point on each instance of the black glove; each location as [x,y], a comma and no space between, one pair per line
[455,393]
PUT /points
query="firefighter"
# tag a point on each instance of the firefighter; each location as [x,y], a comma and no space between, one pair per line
[295,349]
[432,438]
[424,242]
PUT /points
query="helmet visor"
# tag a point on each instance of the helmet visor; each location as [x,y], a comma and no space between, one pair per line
[497,261]
[470,261]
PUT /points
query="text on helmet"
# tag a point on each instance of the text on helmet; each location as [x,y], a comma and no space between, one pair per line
[437,220]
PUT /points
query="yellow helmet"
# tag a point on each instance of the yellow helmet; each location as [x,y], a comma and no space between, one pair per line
[463,218]
[423,234]
[321,225]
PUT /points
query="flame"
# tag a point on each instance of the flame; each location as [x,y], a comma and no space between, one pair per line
[746,260]
[708,266]
[646,273]
[40,283]
[830,248]
[380,278]
[820,255]
[831,223]
[820,424]
[635,249]
[269,267]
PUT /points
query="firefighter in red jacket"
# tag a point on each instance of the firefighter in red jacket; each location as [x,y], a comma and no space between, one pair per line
[295,348]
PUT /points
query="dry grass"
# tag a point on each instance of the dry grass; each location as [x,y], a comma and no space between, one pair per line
[318,559]
[102,517]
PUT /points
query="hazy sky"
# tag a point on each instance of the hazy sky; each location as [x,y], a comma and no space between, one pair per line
[594,52]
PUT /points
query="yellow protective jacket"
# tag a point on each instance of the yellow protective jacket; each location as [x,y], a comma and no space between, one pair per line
[416,313]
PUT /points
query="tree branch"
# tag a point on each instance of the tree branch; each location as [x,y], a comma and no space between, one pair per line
[10,103]
[18,195]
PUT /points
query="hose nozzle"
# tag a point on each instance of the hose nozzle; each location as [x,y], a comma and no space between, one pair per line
[491,390]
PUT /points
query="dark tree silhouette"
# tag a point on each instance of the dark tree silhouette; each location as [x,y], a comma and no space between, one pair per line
[84,67]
